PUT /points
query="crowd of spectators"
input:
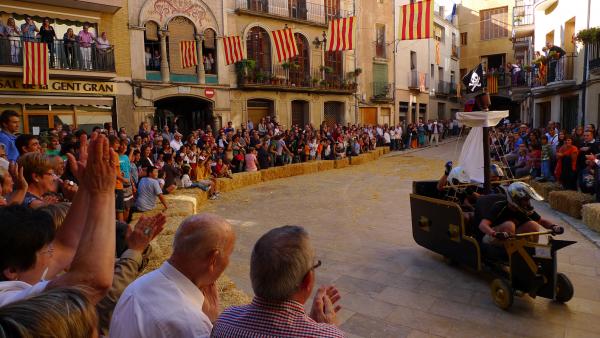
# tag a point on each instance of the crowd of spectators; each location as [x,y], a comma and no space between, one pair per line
[568,157]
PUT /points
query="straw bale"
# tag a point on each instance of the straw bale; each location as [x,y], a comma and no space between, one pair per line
[271,174]
[569,202]
[591,216]
[325,165]
[310,167]
[295,169]
[545,188]
[386,150]
[238,181]
[343,163]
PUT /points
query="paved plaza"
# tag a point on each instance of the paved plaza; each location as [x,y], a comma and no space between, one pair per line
[359,222]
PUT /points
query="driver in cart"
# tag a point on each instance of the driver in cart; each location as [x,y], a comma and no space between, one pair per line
[500,216]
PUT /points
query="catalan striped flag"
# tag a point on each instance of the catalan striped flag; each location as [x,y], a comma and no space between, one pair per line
[234,51]
[416,20]
[35,63]
[342,33]
[189,57]
[285,44]
[492,83]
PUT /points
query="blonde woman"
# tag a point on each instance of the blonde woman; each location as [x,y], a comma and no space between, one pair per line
[14,37]
[62,312]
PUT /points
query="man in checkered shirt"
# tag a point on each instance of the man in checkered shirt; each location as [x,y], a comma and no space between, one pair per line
[282,273]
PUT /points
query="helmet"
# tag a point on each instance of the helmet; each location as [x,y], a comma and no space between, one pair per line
[458,176]
[495,170]
[519,195]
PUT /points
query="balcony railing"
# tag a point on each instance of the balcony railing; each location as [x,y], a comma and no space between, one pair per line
[443,88]
[523,15]
[62,55]
[455,51]
[552,72]
[295,79]
[382,91]
[293,10]
[418,80]
[594,56]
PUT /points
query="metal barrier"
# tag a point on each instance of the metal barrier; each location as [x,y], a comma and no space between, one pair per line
[294,9]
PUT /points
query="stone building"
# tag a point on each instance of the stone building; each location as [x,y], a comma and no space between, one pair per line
[87,84]
[427,70]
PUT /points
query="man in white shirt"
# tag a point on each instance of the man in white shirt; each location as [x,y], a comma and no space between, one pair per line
[434,128]
[176,143]
[180,299]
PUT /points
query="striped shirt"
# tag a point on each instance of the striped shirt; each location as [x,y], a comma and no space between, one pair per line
[265,319]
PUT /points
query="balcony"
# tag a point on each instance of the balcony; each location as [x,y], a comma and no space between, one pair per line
[523,21]
[294,11]
[418,81]
[522,44]
[65,59]
[282,79]
[107,6]
[382,92]
[443,88]
[455,51]
[594,57]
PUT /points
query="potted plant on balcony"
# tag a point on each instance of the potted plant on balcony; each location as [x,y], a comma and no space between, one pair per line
[323,83]
[357,72]
[314,82]
[260,77]
[285,66]
[589,35]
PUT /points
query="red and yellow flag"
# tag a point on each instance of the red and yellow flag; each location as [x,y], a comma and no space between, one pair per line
[416,20]
[35,63]
[285,44]
[342,33]
[189,57]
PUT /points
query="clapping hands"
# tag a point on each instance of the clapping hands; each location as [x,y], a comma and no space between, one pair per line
[324,309]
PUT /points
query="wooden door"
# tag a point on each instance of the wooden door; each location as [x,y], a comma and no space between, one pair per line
[369,115]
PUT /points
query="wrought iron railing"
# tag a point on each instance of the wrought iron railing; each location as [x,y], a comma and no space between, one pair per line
[380,50]
[294,9]
[418,80]
[541,74]
[292,77]
[382,91]
[443,88]
[594,55]
[522,15]
[62,55]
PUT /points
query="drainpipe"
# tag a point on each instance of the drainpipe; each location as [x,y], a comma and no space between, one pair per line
[585,70]
[356,66]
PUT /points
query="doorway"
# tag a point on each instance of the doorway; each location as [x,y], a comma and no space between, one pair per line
[568,114]
[333,113]
[185,113]
[300,113]
[368,115]
[259,108]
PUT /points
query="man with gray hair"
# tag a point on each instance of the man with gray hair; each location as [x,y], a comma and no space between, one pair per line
[179,299]
[282,270]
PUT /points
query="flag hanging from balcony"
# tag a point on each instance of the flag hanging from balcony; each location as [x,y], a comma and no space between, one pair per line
[285,44]
[341,34]
[416,20]
[35,63]
[189,57]
[233,49]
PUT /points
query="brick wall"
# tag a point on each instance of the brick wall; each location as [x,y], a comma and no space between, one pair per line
[116,26]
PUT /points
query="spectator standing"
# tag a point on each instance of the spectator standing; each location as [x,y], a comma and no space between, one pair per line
[86,38]
[435,133]
[251,160]
[47,35]
[13,33]
[120,179]
[566,166]
[185,284]
[589,146]
[29,30]
[69,41]
[282,271]
[10,123]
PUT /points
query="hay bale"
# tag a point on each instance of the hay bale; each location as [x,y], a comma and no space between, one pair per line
[386,150]
[545,188]
[310,167]
[295,169]
[238,181]
[343,163]
[325,165]
[569,202]
[272,174]
[591,216]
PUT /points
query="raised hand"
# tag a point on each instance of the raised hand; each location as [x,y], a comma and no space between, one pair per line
[324,309]
[99,173]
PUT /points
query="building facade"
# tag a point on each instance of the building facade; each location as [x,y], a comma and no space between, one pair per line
[313,87]
[375,58]
[563,89]
[87,82]
[427,71]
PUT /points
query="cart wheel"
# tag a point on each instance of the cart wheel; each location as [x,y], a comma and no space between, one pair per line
[502,293]
[564,288]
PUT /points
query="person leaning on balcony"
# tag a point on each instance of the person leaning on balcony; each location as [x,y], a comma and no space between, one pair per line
[86,38]
[69,40]
[47,35]
[29,29]
[12,31]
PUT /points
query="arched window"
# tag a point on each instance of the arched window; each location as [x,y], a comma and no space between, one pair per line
[151,46]
[300,72]
[180,29]
[259,48]
[209,51]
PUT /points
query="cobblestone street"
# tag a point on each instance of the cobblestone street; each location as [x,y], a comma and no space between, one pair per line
[360,225]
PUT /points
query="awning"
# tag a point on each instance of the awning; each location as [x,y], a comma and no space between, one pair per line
[56,100]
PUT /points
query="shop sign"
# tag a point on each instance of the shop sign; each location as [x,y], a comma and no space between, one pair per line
[209,92]
[58,86]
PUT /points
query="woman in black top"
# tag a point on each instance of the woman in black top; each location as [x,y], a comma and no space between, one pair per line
[69,40]
[48,35]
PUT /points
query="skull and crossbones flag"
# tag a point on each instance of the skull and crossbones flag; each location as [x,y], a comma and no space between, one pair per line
[473,81]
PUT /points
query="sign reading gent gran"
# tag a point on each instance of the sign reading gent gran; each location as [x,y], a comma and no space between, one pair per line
[58,86]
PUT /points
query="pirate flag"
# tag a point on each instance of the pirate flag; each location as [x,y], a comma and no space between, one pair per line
[473,81]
